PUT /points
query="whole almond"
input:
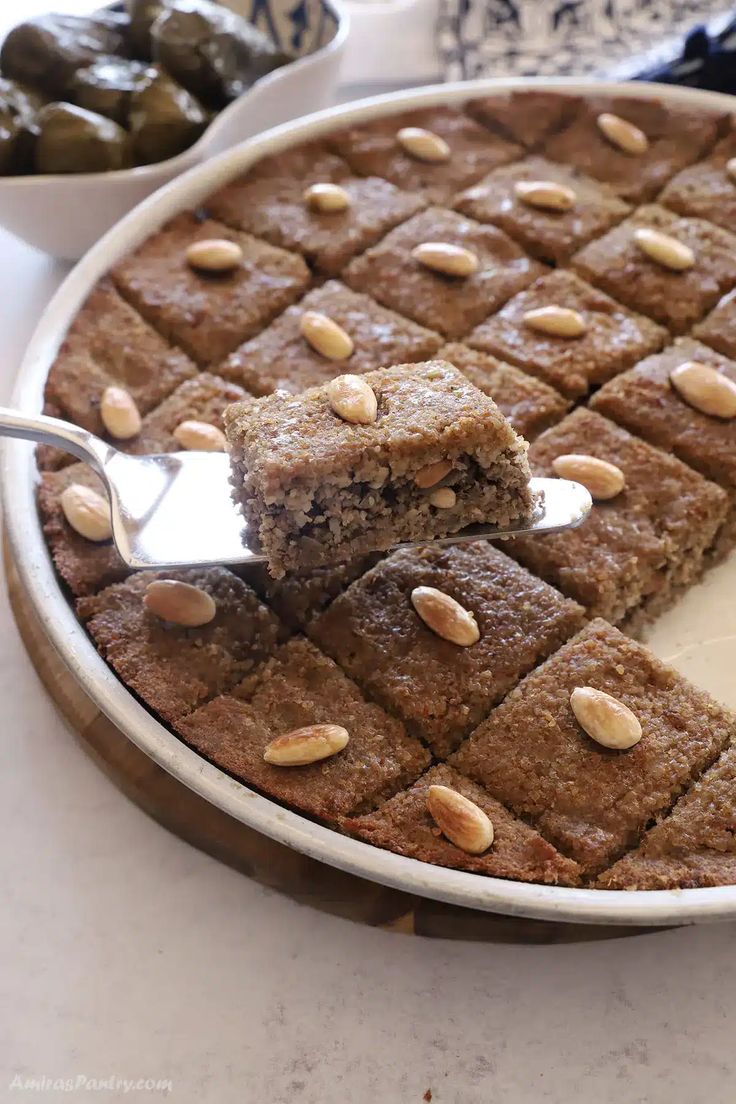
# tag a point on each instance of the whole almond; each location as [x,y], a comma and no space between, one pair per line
[602,479]
[306,745]
[432,473]
[545,194]
[667,251]
[731,168]
[462,821]
[555,321]
[87,512]
[444,616]
[120,415]
[424,145]
[352,399]
[623,134]
[444,498]
[705,388]
[605,719]
[180,603]
[214,255]
[450,260]
[200,436]
[326,198]
[325,336]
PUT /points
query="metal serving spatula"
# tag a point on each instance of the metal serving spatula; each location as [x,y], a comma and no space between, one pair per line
[175,509]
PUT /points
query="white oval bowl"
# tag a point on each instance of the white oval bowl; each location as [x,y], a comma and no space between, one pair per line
[65,214]
[658,907]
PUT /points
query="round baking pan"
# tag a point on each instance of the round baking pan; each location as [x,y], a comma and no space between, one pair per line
[660,907]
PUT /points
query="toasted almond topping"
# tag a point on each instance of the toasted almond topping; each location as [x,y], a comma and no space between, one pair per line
[432,473]
[460,820]
[731,168]
[444,616]
[214,255]
[200,436]
[555,321]
[605,719]
[119,413]
[450,260]
[325,336]
[423,144]
[602,479]
[623,134]
[326,198]
[664,249]
[180,603]
[546,194]
[352,399]
[444,498]
[306,745]
[87,512]
[705,388]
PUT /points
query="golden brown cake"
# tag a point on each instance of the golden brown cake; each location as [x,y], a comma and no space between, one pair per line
[611,338]
[439,688]
[391,273]
[638,548]
[281,359]
[446,703]
[533,755]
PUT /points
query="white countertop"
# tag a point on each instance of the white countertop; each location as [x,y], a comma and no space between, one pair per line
[128,954]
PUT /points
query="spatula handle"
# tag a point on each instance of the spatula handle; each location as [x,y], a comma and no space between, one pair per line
[53,431]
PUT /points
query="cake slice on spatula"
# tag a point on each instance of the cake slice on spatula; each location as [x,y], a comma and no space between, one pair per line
[363,463]
[401,455]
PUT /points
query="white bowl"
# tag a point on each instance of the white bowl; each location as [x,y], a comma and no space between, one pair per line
[65,214]
[713,603]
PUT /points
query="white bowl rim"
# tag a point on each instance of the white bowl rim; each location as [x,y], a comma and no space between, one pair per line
[557,903]
[194,153]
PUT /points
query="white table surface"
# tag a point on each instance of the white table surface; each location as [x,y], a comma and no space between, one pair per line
[127,953]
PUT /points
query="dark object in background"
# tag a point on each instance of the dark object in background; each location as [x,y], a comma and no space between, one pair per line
[142,15]
[17,139]
[210,50]
[707,61]
[164,119]
[19,106]
[107,86]
[72,140]
[113,107]
[47,51]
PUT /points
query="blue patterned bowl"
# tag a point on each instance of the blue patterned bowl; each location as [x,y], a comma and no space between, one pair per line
[300,28]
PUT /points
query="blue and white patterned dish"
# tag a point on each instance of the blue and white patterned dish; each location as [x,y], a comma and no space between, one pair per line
[547,38]
[298,28]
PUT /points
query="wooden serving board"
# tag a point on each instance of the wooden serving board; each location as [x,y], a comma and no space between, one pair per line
[203,825]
